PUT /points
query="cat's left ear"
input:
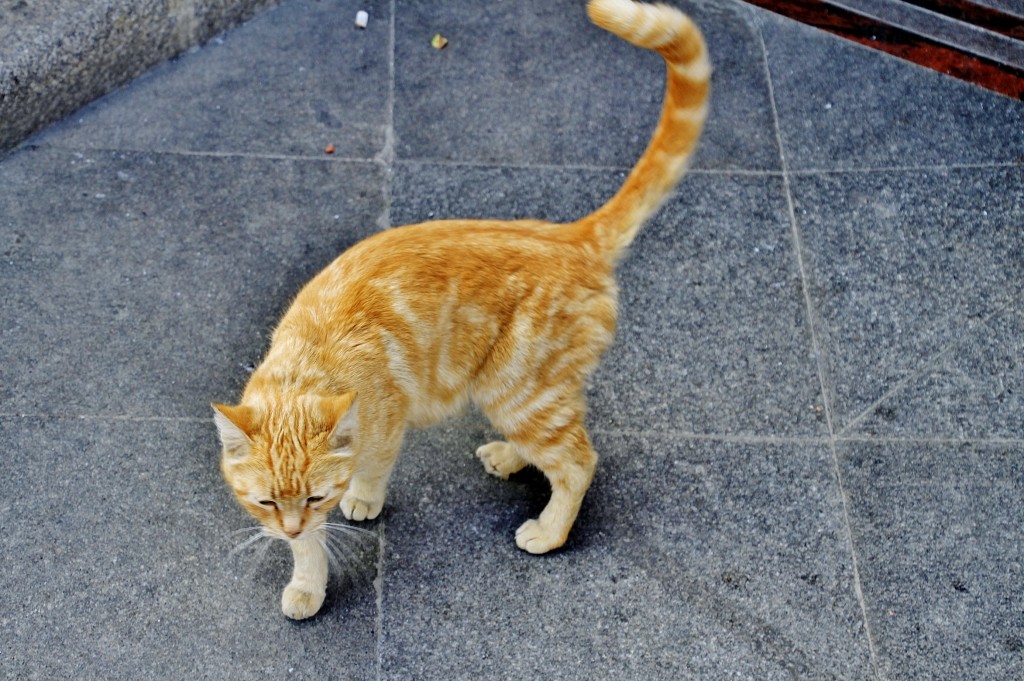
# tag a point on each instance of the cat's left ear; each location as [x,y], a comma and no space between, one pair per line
[235,425]
[339,413]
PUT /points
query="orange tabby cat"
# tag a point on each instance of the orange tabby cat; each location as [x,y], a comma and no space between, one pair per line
[408,326]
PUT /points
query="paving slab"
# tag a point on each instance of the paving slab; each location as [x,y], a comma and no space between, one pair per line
[324,82]
[841,105]
[548,87]
[702,560]
[972,391]
[901,265]
[127,573]
[156,278]
[937,528]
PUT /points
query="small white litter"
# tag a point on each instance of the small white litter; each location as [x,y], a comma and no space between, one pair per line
[361,18]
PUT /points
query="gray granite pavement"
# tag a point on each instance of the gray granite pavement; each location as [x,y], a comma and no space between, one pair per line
[811,423]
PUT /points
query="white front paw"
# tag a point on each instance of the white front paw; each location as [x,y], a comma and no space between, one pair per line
[298,604]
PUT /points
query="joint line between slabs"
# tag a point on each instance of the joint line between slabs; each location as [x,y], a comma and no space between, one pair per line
[388,159]
[819,363]
[386,156]
[904,169]
[267,156]
[106,417]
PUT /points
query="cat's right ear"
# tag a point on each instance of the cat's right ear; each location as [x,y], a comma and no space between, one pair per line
[235,425]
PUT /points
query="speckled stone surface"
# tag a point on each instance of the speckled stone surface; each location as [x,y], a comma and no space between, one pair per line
[693,560]
[905,264]
[126,571]
[912,117]
[524,113]
[56,56]
[324,83]
[141,293]
[938,529]
[809,423]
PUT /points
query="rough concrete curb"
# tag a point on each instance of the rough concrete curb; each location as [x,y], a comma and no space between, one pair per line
[57,55]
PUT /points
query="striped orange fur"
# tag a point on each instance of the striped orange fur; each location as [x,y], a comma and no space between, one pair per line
[408,326]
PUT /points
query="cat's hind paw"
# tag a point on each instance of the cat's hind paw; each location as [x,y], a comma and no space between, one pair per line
[533,537]
[355,508]
[500,459]
[298,604]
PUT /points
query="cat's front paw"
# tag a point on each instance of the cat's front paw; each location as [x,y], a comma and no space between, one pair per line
[298,604]
[355,507]
[533,537]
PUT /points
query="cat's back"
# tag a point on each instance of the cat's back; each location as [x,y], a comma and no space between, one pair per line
[483,256]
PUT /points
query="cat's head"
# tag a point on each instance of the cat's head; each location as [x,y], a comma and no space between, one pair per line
[288,463]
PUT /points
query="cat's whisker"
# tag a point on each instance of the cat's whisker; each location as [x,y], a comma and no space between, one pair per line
[351,544]
[331,557]
[347,557]
[241,546]
[341,547]
[338,555]
[349,529]
[251,528]
[259,555]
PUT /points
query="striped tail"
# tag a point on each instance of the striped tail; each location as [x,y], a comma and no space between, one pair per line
[673,35]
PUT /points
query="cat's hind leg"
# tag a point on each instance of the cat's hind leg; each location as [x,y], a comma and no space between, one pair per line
[553,440]
[568,461]
[531,390]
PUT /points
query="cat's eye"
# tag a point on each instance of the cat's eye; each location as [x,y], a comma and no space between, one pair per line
[268,503]
[314,500]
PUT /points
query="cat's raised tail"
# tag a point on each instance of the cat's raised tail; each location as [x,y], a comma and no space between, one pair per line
[672,34]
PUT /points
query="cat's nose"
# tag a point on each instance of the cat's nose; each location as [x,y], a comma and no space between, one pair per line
[291,525]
